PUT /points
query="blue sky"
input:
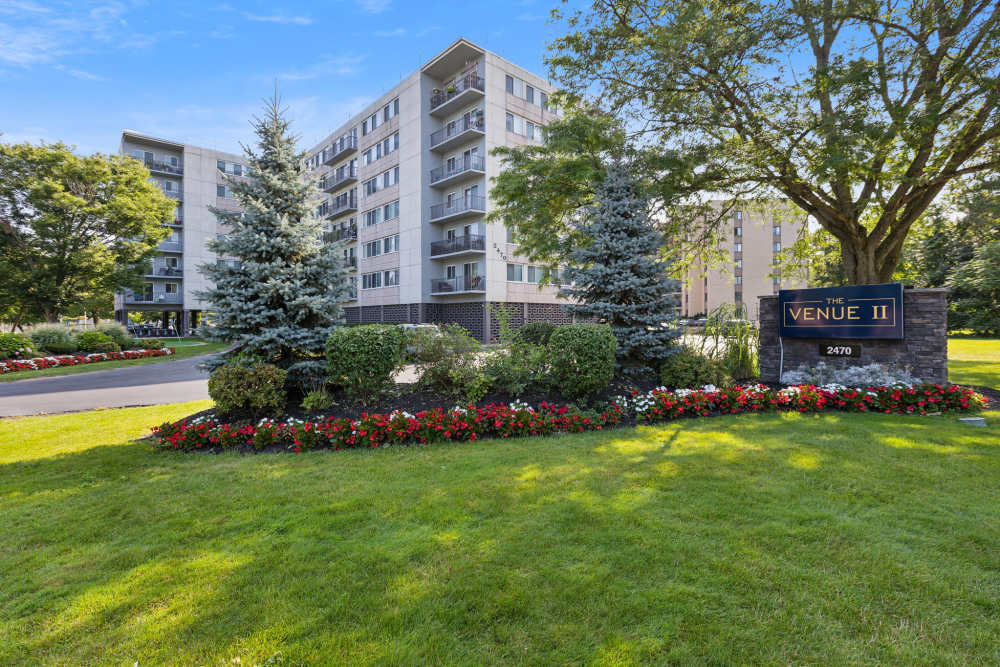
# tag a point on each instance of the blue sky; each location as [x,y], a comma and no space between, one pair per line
[82,71]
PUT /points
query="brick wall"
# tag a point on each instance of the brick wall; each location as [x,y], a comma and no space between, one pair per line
[925,348]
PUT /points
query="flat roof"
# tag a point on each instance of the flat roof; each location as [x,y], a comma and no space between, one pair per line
[132,134]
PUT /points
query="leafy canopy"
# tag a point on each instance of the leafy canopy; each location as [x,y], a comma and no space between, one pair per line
[73,227]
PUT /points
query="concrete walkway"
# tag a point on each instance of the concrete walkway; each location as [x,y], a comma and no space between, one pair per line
[151,384]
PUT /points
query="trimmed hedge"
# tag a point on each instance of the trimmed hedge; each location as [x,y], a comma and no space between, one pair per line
[362,359]
[582,358]
[257,389]
[687,368]
[535,333]
[95,341]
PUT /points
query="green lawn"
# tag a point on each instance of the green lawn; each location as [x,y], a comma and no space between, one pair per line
[974,361]
[184,348]
[773,539]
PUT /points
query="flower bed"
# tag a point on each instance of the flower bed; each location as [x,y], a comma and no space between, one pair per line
[471,423]
[38,363]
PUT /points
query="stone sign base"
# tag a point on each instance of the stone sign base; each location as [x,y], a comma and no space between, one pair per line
[924,350]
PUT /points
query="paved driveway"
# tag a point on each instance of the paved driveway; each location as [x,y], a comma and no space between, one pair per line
[152,384]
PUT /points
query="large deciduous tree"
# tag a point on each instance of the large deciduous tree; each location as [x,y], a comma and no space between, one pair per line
[282,293]
[858,111]
[72,226]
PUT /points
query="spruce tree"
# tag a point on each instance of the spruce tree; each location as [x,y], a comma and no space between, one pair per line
[282,297]
[618,277]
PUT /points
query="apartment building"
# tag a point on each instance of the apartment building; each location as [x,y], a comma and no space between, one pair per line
[196,178]
[754,236]
[406,183]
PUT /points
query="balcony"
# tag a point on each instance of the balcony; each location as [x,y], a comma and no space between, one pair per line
[346,145]
[459,208]
[171,246]
[465,243]
[339,178]
[351,261]
[159,271]
[468,167]
[460,285]
[336,234]
[154,299]
[343,205]
[174,194]
[463,91]
[163,168]
[458,132]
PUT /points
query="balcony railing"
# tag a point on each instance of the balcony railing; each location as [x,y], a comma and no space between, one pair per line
[156,298]
[458,285]
[173,194]
[343,205]
[337,234]
[339,148]
[339,177]
[461,243]
[351,261]
[476,123]
[163,167]
[465,164]
[467,82]
[165,272]
[170,246]
[470,204]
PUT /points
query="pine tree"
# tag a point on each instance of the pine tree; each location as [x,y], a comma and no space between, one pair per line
[282,296]
[619,278]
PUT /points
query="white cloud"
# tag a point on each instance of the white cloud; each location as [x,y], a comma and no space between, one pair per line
[80,74]
[279,18]
[15,7]
[398,32]
[373,6]
[327,66]
[532,18]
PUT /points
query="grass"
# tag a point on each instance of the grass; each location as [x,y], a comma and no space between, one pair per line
[834,539]
[974,361]
[184,349]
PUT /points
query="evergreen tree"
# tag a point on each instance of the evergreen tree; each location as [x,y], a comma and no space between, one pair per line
[282,297]
[617,276]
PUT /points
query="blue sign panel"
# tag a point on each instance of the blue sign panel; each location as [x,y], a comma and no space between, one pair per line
[855,311]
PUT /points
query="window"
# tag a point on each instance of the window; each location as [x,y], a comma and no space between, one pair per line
[390,144]
[371,186]
[391,109]
[371,280]
[391,278]
[450,272]
[739,264]
[544,101]
[510,122]
[223,191]
[221,165]
[533,274]
[738,215]
[170,288]
[510,236]
[529,94]
[739,280]
[515,273]
[168,186]
[173,161]
[777,246]
[171,262]
[372,217]
[390,244]
[738,297]
[371,249]
[390,177]
[237,170]
[391,210]
[510,84]
[738,247]
[738,231]
[777,230]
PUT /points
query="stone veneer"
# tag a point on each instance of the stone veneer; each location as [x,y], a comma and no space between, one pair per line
[924,349]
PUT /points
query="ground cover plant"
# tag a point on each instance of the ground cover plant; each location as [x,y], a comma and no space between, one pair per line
[41,363]
[774,538]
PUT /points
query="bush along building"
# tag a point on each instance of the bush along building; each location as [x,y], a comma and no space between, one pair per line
[406,182]
[196,178]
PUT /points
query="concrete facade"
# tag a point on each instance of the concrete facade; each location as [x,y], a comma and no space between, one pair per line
[924,349]
[753,238]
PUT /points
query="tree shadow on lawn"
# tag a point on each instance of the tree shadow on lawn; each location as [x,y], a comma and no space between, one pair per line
[722,539]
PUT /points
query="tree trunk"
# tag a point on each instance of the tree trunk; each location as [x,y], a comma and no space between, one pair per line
[865,264]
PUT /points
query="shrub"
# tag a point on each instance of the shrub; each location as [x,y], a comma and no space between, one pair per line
[53,338]
[150,343]
[88,341]
[15,346]
[363,359]
[115,332]
[257,389]
[428,345]
[582,358]
[688,369]
[316,400]
[447,360]
[535,333]
[517,368]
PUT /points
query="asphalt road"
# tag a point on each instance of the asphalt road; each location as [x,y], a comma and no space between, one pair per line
[151,384]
